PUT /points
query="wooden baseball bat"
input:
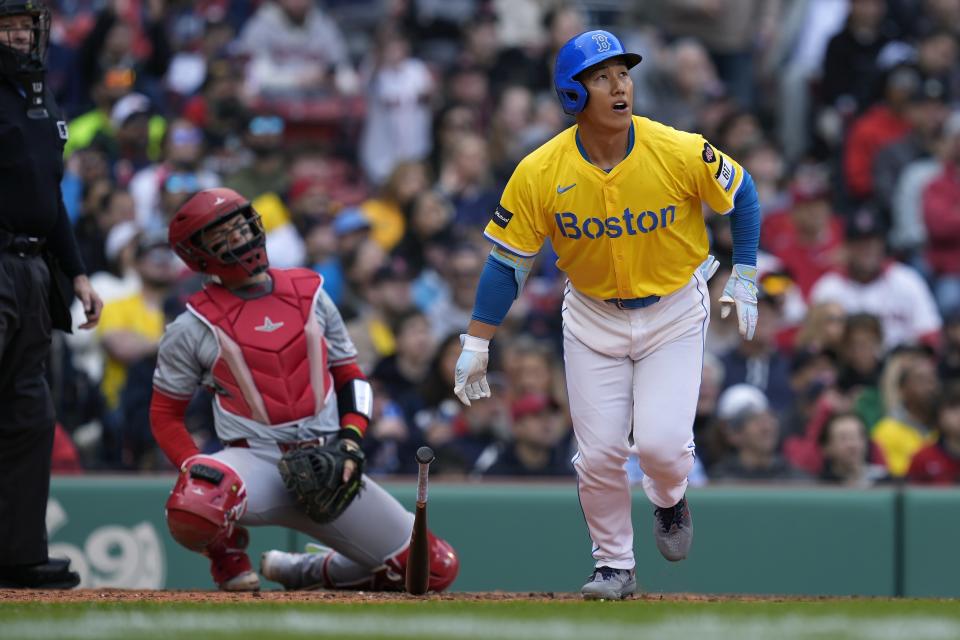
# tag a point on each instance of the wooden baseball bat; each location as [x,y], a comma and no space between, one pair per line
[418,562]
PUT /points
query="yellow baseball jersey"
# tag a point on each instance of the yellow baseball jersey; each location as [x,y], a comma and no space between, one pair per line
[630,233]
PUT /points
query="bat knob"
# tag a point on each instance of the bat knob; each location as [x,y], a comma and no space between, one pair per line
[425,455]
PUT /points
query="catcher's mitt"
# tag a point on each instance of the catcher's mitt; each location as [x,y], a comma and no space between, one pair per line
[315,476]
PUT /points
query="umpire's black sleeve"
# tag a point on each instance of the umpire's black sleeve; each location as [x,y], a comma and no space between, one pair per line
[63,244]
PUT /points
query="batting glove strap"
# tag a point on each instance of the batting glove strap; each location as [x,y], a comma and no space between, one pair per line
[741,292]
[473,343]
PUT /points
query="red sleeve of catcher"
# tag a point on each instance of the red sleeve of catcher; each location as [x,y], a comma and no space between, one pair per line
[169,430]
[349,421]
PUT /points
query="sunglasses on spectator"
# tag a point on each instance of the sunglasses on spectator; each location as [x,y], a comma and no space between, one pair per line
[266,126]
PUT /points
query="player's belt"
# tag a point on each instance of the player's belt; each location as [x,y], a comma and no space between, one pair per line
[634,303]
[243,443]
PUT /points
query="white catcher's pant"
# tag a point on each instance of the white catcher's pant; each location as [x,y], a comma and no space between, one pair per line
[633,369]
[373,528]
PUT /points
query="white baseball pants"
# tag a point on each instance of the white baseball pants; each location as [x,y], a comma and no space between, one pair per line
[632,370]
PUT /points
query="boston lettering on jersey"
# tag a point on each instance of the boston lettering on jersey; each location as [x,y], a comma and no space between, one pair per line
[632,223]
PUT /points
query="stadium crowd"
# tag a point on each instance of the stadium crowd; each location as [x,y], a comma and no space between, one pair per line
[374,137]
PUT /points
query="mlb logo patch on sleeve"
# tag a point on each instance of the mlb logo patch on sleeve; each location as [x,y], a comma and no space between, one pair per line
[725,174]
[62,129]
[501,217]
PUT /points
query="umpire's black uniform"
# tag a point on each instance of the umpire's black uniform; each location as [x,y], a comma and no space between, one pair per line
[35,235]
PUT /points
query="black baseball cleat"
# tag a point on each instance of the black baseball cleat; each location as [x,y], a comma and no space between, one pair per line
[673,530]
[53,574]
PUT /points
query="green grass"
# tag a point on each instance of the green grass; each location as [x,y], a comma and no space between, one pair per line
[421,620]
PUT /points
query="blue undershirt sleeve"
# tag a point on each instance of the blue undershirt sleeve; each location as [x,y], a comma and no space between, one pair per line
[745,223]
[495,292]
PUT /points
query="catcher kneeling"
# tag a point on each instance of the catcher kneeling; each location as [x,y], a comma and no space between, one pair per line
[291,407]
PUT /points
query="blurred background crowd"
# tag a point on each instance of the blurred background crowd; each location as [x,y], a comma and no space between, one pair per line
[374,138]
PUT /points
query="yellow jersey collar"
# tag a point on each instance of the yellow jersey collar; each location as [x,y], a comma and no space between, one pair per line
[583,152]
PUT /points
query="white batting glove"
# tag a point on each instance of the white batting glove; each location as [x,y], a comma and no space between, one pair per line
[471,374]
[709,267]
[741,291]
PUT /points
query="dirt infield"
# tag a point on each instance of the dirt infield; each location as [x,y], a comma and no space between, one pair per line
[14,596]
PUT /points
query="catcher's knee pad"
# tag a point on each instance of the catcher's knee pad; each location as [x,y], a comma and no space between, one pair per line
[208,498]
[444,566]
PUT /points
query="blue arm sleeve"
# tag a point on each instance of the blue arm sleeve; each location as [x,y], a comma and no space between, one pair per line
[745,223]
[495,292]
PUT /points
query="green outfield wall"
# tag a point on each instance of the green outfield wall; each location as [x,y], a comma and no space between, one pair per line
[532,537]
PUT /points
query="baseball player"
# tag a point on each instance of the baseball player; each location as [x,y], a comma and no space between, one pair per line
[291,407]
[620,198]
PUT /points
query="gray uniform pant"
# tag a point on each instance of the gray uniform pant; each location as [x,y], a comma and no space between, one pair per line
[372,529]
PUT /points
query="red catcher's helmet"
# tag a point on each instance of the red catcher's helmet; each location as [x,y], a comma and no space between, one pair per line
[207,209]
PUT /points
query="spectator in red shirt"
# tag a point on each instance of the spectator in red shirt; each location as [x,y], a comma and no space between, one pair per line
[939,463]
[883,123]
[941,215]
[807,238]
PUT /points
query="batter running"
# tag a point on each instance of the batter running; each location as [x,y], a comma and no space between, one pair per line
[620,198]
[291,407]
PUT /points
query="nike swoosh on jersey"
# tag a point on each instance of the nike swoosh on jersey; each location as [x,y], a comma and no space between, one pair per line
[565,189]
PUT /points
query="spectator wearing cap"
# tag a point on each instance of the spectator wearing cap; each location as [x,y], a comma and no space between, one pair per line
[938,463]
[845,448]
[754,433]
[926,111]
[112,85]
[385,298]
[388,209]
[911,419]
[882,124]
[941,217]
[268,172]
[871,283]
[399,90]
[126,142]
[538,432]
[808,237]
[183,153]
[759,362]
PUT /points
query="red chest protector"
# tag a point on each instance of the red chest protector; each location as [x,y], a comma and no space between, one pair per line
[272,365]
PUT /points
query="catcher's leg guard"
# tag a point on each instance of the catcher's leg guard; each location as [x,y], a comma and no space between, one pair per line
[206,501]
[202,511]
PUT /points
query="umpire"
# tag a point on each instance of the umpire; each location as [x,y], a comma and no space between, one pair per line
[37,252]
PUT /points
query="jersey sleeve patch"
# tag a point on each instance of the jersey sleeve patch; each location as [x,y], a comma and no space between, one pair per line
[726,173]
[501,216]
[708,154]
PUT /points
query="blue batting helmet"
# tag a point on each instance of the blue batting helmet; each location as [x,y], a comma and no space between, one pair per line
[580,53]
